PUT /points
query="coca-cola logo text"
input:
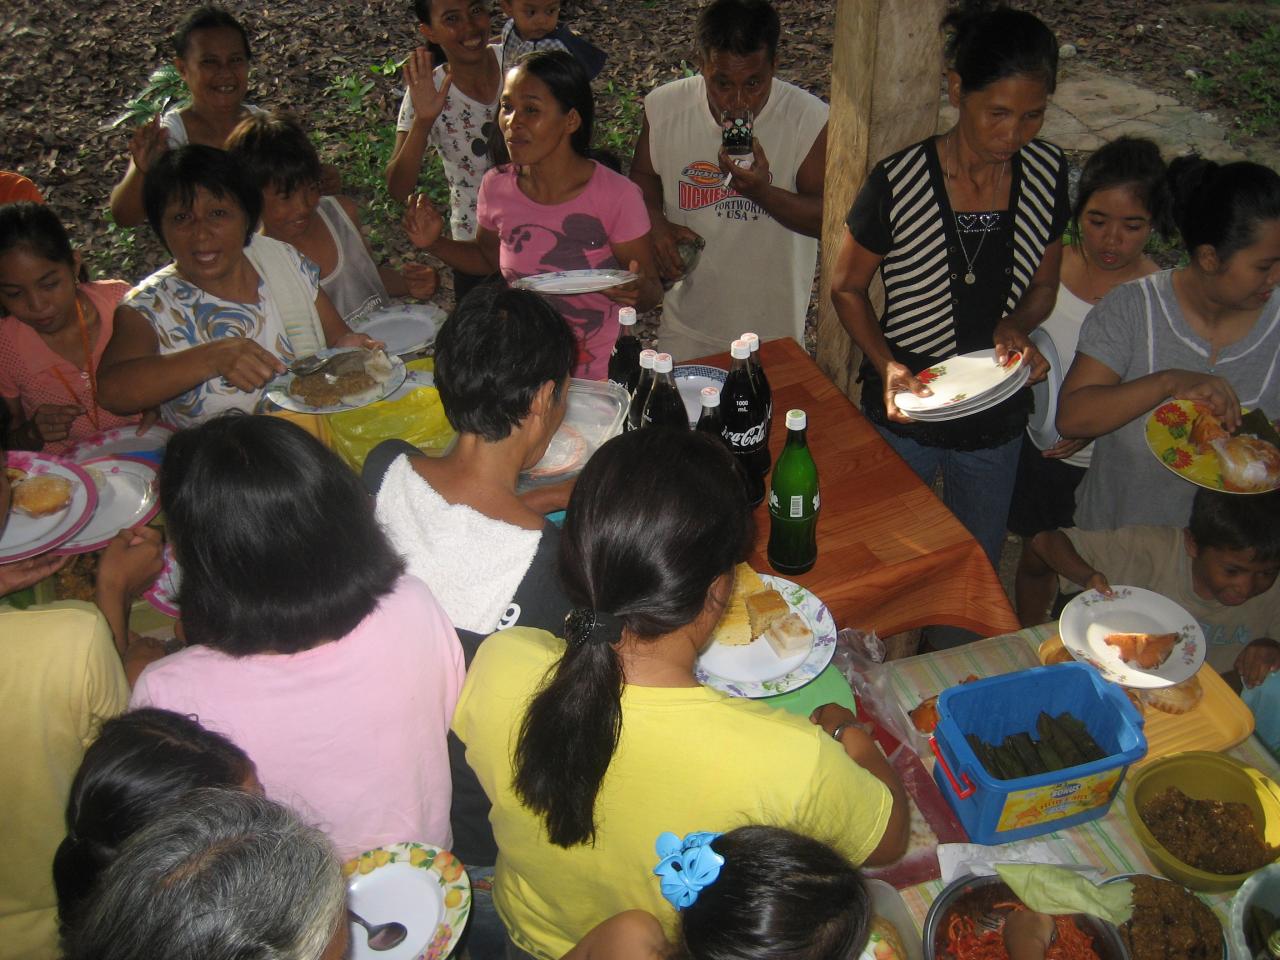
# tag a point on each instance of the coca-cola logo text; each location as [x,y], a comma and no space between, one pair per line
[746,438]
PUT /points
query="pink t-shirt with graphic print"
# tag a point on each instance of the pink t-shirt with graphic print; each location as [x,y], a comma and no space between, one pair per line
[32,373]
[575,235]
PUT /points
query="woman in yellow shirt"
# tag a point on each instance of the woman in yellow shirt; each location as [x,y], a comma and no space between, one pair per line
[591,746]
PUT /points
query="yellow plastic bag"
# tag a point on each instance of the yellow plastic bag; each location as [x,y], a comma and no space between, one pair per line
[418,418]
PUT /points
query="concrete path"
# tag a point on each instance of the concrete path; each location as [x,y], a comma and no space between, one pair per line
[1091,107]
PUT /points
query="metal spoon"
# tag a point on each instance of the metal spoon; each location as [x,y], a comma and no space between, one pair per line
[305,366]
[382,936]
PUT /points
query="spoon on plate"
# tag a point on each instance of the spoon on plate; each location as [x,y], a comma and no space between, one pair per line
[382,936]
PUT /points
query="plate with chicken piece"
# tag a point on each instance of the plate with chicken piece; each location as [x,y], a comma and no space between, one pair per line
[1133,637]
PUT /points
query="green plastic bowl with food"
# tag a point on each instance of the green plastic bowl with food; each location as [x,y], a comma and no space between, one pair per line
[1219,861]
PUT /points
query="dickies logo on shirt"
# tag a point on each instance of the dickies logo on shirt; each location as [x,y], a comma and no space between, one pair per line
[702,184]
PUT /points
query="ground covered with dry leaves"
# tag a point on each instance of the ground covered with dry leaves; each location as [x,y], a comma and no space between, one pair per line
[67,68]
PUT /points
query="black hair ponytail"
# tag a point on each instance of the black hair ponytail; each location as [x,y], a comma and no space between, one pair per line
[655,518]
[1222,206]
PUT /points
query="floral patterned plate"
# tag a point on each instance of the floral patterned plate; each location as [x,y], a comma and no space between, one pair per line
[985,402]
[1090,618]
[25,536]
[755,670]
[961,378]
[124,441]
[1168,431]
[569,282]
[163,593]
[420,886]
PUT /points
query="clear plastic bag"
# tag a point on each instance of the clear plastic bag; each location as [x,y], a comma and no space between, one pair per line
[416,417]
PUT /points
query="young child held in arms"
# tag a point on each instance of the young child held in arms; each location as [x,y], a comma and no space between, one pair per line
[535,25]
[281,160]
[52,335]
[759,892]
[1221,569]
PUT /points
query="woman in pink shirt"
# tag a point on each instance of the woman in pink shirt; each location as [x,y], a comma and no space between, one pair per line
[549,207]
[309,647]
[52,335]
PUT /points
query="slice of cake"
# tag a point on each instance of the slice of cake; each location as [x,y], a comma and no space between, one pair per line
[734,628]
[764,609]
[789,635]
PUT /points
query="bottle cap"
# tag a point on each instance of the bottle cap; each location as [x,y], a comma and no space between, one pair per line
[796,420]
[646,358]
[710,397]
[662,363]
[740,350]
[753,341]
[627,316]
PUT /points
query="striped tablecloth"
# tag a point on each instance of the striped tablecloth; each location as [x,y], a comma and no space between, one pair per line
[1107,843]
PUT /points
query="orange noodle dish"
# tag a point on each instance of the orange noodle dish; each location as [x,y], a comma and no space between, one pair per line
[967,941]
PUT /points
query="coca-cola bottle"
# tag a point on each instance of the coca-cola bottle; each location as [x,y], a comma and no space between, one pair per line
[744,418]
[624,362]
[664,408]
[641,393]
[762,387]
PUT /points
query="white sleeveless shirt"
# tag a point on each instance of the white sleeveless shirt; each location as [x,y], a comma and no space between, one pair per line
[755,274]
[354,285]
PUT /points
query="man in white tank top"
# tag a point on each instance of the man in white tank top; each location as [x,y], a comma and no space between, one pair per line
[760,222]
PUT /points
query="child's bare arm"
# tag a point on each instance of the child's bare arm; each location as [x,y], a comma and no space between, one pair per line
[411,145]
[416,280]
[148,142]
[634,935]
[425,228]
[1055,549]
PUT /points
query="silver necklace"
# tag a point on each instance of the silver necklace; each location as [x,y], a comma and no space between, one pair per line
[970,277]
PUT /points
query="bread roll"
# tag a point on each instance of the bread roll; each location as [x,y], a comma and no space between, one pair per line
[765,609]
[789,635]
[42,496]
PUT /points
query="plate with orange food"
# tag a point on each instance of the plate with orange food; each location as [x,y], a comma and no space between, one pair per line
[1133,637]
[1188,439]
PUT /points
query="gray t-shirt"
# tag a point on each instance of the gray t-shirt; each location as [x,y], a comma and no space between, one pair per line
[1139,329]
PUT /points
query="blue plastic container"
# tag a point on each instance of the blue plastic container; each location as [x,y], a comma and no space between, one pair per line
[997,811]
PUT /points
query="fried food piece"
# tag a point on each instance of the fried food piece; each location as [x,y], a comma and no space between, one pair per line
[42,496]
[1205,429]
[1248,463]
[1179,698]
[1146,650]
[347,377]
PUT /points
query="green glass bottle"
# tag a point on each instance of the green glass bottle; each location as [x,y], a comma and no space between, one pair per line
[794,502]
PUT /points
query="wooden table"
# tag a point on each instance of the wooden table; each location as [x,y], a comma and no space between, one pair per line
[890,555]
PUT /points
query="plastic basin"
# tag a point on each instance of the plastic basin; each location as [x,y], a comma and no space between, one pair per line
[1203,776]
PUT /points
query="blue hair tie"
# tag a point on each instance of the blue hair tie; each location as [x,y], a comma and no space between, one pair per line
[686,866]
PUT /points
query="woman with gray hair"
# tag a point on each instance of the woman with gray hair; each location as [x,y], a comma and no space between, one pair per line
[227,875]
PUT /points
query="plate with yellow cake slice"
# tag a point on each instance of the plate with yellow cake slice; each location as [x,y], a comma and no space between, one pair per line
[774,636]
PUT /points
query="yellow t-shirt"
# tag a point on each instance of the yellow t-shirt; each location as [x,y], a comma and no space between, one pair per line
[689,758]
[60,677]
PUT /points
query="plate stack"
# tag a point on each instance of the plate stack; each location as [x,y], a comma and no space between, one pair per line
[965,384]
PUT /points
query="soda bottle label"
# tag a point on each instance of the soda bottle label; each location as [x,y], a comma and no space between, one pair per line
[797,507]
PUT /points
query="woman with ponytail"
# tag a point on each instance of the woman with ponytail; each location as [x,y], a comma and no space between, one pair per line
[1208,331]
[591,745]
[140,767]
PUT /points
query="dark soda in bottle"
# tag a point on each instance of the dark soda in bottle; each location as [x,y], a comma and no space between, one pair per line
[664,408]
[762,385]
[743,414]
[624,362]
[641,392]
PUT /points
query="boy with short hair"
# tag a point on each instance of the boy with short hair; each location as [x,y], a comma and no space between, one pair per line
[1221,569]
[283,163]
[535,25]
